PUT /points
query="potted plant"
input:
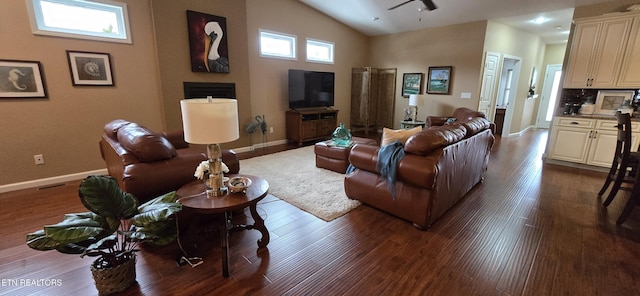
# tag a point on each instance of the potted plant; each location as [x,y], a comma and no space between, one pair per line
[111,231]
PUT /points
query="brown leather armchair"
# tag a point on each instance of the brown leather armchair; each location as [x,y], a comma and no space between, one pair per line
[148,164]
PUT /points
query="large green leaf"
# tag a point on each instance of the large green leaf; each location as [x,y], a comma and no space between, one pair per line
[161,236]
[103,196]
[169,197]
[155,212]
[39,241]
[76,228]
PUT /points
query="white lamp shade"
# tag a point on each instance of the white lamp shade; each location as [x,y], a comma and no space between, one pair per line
[210,121]
[416,100]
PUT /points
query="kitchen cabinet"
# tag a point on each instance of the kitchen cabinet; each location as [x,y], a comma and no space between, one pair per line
[587,141]
[629,75]
[597,52]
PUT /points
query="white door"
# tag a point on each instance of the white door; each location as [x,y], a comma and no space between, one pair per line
[488,90]
[549,95]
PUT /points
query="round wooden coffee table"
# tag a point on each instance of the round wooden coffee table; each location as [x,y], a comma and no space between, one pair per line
[193,196]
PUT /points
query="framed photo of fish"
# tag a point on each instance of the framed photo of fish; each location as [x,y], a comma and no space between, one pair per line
[208,42]
[90,68]
[21,79]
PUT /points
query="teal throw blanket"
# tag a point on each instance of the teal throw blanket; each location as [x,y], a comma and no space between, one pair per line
[388,158]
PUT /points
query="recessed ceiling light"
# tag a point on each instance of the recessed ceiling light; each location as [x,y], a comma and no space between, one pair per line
[540,20]
[558,27]
[375,18]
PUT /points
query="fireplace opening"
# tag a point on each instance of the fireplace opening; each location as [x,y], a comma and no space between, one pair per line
[213,89]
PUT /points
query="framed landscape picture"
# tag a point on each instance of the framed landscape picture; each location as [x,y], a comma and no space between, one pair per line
[439,80]
[90,68]
[21,79]
[411,84]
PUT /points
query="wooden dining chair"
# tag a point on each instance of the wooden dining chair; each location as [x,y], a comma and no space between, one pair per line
[625,163]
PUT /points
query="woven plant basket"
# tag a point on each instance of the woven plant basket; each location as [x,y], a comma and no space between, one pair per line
[116,279]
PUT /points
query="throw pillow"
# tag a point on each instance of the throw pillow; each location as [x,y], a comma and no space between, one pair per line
[389,136]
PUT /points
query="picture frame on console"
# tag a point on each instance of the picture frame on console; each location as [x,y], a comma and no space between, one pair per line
[608,101]
[21,79]
[90,68]
[411,84]
[439,80]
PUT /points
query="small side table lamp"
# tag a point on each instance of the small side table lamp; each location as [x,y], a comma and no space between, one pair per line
[211,121]
[414,102]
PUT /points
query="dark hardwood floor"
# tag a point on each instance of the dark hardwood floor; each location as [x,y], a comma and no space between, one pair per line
[529,229]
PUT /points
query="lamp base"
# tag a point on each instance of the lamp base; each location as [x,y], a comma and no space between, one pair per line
[215,184]
[217,192]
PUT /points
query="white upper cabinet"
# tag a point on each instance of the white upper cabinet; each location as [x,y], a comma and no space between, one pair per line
[597,52]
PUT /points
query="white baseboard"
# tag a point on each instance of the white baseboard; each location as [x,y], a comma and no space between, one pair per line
[79,176]
[259,145]
[520,133]
[50,181]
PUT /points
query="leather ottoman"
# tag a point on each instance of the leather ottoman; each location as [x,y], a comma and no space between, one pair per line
[336,158]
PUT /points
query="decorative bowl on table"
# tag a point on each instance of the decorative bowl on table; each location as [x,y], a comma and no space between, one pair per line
[238,184]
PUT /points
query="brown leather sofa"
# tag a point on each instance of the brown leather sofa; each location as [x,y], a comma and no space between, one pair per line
[441,165]
[148,164]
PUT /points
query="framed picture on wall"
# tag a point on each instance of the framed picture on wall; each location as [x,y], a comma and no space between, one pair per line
[90,68]
[439,80]
[208,42]
[411,84]
[21,79]
[608,101]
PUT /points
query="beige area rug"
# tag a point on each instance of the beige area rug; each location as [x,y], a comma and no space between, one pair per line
[294,178]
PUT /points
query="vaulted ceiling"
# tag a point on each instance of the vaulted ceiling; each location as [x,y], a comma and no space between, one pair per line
[372,17]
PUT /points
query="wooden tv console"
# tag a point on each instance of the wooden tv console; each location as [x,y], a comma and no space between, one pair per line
[307,125]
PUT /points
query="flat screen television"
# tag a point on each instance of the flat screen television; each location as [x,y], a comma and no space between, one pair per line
[310,89]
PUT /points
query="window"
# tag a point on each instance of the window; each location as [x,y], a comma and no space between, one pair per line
[319,51]
[102,20]
[277,45]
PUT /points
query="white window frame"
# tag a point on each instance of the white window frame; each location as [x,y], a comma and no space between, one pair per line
[330,46]
[290,39]
[38,26]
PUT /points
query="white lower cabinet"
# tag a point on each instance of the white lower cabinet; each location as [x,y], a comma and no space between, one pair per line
[587,141]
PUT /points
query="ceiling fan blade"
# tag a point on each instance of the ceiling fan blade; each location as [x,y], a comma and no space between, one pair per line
[429,4]
[392,8]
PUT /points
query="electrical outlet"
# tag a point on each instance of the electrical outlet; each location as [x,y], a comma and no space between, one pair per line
[39,159]
[271,129]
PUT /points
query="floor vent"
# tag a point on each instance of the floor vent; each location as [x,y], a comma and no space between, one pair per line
[52,186]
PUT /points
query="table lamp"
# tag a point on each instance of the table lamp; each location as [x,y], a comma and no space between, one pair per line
[414,102]
[211,121]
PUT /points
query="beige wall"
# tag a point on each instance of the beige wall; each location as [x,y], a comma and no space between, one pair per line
[531,49]
[66,126]
[174,57]
[269,77]
[459,46]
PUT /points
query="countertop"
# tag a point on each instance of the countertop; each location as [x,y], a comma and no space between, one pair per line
[635,117]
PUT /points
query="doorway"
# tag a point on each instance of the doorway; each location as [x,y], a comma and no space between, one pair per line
[549,95]
[507,90]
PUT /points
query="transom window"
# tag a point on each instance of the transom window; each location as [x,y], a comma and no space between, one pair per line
[277,45]
[319,51]
[102,20]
